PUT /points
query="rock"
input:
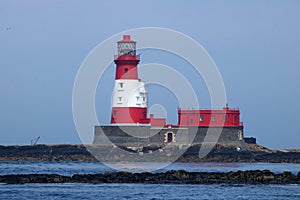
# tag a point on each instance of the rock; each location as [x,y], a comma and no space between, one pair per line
[170,177]
[220,153]
[287,174]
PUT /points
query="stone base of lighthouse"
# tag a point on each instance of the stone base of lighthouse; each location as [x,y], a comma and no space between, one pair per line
[145,135]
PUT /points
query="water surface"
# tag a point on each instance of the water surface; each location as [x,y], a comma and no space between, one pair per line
[143,191]
[70,168]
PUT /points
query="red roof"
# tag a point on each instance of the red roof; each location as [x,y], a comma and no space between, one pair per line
[126,38]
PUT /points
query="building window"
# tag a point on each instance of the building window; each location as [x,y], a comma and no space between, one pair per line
[144,98]
[125,70]
[121,85]
[213,118]
[240,135]
[137,98]
[201,118]
[224,118]
[120,98]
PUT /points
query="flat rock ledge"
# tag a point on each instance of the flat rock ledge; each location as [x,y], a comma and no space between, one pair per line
[169,177]
[220,153]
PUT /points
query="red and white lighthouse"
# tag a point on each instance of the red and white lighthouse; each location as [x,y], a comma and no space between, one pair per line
[129,103]
[129,109]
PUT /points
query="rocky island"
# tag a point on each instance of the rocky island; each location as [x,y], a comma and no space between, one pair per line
[169,177]
[220,153]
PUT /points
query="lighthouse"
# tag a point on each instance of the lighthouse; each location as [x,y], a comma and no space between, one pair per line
[129,122]
[129,99]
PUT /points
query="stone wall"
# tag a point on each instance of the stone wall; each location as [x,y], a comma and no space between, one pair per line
[147,135]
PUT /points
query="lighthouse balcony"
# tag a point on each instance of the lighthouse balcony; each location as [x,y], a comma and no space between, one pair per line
[127,57]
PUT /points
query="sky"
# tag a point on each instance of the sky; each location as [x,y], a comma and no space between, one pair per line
[255,45]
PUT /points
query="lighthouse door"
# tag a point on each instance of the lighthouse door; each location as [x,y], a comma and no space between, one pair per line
[169,137]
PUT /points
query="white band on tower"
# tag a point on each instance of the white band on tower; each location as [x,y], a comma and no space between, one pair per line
[129,93]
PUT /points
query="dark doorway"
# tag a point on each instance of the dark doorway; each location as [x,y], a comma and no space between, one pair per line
[170,137]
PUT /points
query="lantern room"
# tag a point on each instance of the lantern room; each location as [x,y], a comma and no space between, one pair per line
[126,46]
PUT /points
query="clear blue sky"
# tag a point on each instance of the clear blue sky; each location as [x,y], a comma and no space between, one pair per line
[255,45]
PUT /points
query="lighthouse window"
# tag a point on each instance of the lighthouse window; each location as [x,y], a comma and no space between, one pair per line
[125,70]
[213,118]
[224,118]
[201,118]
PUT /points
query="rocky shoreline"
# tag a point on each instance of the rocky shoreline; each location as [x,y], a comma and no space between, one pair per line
[221,153]
[169,177]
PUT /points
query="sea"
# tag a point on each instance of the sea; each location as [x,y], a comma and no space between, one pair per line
[143,191]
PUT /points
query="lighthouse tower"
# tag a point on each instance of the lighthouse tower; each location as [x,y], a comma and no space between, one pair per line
[129,103]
